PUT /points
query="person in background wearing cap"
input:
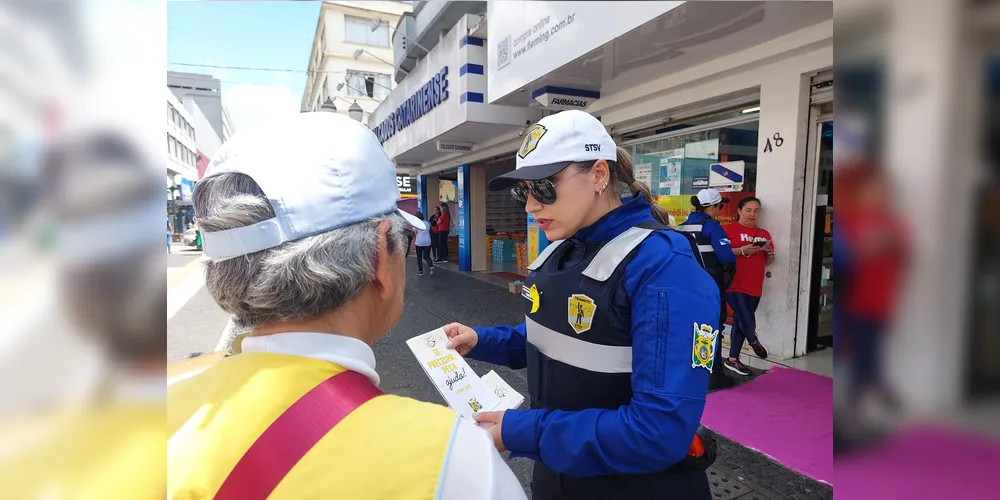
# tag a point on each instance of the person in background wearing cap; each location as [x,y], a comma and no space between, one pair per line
[619,317]
[307,248]
[720,261]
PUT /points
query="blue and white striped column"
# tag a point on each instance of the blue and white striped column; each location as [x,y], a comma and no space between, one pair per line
[472,72]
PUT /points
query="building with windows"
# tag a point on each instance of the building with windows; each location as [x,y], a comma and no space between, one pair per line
[351,59]
[203,92]
[201,96]
[182,163]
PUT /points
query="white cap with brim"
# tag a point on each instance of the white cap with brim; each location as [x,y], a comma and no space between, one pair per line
[556,142]
[709,197]
[320,171]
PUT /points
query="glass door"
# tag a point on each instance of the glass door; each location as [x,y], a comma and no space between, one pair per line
[820,323]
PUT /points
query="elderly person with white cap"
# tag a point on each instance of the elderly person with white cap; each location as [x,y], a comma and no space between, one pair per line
[308,250]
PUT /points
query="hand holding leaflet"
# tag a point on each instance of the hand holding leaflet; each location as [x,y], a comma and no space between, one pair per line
[460,387]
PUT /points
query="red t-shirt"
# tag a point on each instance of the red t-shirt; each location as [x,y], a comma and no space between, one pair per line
[749,270]
[444,222]
[877,275]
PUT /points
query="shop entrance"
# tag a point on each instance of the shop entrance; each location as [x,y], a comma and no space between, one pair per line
[814,313]
[506,223]
[817,261]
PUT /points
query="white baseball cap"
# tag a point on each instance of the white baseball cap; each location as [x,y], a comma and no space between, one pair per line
[554,143]
[709,197]
[320,171]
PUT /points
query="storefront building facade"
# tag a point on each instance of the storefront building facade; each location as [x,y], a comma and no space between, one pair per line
[436,125]
[696,92]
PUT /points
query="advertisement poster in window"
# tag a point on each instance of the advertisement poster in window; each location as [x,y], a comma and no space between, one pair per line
[643,172]
[670,178]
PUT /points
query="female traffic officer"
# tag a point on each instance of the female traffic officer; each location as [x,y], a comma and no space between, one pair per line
[619,328]
[719,258]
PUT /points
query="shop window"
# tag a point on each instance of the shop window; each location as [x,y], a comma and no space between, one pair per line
[678,166]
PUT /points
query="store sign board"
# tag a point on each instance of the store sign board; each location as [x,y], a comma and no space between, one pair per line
[425,99]
[454,147]
[727,176]
[186,190]
[531,39]
[560,98]
[406,185]
[397,123]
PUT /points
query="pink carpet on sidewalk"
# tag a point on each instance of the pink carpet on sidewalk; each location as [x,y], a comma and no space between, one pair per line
[785,414]
[927,462]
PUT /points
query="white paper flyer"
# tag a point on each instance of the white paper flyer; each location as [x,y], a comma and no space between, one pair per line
[509,398]
[461,388]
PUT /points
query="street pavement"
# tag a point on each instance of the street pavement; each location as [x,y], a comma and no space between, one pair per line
[432,301]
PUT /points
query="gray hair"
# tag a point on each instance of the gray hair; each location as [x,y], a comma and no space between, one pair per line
[296,280]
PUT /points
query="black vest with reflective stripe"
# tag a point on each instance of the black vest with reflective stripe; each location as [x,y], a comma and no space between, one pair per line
[579,348]
[704,246]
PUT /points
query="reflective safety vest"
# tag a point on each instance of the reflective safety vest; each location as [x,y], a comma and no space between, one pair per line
[114,449]
[387,447]
[579,356]
[723,274]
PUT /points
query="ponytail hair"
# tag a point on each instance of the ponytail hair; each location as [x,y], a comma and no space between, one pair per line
[621,171]
[698,207]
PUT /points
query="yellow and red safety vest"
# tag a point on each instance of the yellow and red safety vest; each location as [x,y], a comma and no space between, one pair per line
[260,425]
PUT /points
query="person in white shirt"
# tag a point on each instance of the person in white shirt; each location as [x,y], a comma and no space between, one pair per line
[311,257]
[423,244]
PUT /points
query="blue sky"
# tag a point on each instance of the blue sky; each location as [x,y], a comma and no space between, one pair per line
[256,34]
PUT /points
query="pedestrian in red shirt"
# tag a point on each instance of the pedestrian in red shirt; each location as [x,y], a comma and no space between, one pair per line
[743,296]
[872,255]
[444,225]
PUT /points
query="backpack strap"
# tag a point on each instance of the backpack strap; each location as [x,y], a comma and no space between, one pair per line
[293,434]
[688,236]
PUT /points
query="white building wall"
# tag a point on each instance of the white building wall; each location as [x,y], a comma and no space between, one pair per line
[207,141]
[182,131]
[333,55]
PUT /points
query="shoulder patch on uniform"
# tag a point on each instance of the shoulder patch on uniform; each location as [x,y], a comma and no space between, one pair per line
[581,312]
[703,348]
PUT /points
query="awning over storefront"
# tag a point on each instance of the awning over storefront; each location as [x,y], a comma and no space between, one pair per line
[441,109]
[573,55]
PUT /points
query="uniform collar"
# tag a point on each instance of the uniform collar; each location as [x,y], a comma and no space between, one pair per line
[634,209]
[698,217]
[350,353]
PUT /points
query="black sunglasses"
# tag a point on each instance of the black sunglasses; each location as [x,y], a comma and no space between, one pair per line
[542,190]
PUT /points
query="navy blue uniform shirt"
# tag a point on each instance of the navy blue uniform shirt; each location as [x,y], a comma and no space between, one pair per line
[668,293]
[720,241]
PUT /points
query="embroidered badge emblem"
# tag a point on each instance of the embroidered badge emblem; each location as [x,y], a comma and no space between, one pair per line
[703,348]
[581,312]
[531,139]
